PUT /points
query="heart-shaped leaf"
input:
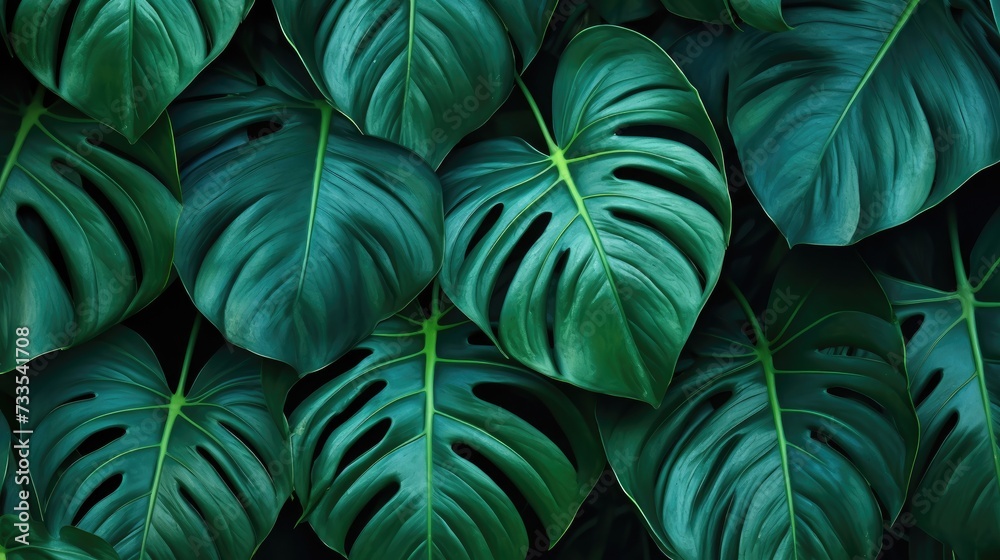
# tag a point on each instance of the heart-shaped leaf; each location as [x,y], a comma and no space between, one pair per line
[298,234]
[72,543]
[122,62]
[87,220]
[422,74]
[176,473]
[596,258]
[425,445]
[789,435]
[953,359]
[866,114]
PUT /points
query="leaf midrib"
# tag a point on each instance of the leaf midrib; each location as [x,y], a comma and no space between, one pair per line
[176,403]
[889,41]
[326,112]
[966,293]
[558,157]
[766,358]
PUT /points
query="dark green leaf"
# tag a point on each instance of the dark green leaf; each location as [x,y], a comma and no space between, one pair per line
[413,435]
[87,220]
[122,62]
[422,74]
[953,360]
[298,234]
[789,432]
[197,472]
[611,243]
[866,114]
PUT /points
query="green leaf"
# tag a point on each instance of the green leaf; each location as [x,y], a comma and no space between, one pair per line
[427,434]
[298,234]
[787,433]
[762,14]
[87,220]
[866,114]
[71,543]
[621,11]
[197,471]
[122,62]
[609,244]
[954,363]
[422,74]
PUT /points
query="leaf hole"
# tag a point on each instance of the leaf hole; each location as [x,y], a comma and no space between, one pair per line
[531,409]
[945,432]
[38,230]
[910,326]
[103,490]
[367,513]
[204,454]
[826,438]
[192,503]
[718,400]
[667,133]
[311,383]
[527,240]
[641,221]
[100,439]
[491,219]
[849,394]
[110,213]
[79,398]
[363,398]
[69,16]
[262,129]
[532,523]
[933,380]
[365,443]
[246,441]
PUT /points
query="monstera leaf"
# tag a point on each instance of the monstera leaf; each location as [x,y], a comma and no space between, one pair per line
[954,363]
[621,11]
[71,543]
[422,74]
[415,451]
[597,257]
[87,220]
[298,234]
[122,62]
[866,114]
[157,472]
[788,432]
[762,14]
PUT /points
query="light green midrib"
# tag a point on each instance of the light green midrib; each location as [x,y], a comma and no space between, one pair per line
[886,45]
[430,353]
[176,404]
[32,113]
[765,356]
[326,112]
[558,158]
[968,299]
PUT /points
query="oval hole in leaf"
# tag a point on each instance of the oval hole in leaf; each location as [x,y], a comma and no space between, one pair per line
[338,420]
[367,513]
[529,408]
